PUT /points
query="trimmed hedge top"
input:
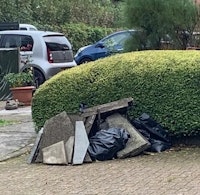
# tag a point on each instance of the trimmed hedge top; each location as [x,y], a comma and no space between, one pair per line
[164,84]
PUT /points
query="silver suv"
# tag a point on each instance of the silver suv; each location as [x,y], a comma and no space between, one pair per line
[47,52]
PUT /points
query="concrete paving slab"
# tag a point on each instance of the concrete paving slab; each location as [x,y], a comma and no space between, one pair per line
[87,158]
[19,110]
[15,137]
[55,154]
[136,144]
[56,129]
[18,138]
[35,149]
[81,143]
[22,114]
[69,146]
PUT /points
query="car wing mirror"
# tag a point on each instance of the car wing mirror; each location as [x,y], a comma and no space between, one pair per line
[100,45]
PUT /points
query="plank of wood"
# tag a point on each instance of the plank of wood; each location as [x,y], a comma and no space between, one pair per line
[112,106]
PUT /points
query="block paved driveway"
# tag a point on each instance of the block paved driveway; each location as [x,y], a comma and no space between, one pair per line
[176,172]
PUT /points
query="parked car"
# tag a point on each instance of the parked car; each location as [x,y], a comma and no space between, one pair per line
[47,52]
[111,44]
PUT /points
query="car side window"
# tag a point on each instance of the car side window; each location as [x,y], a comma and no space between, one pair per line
[116,41]
[10,41]
[23,28]
[32,28]
[26,43]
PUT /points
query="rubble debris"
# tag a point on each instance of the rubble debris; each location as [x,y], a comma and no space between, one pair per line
[136,144]
[76,117]
[89,123]
[81,143]
[72,136]
[34,152]
[55,154]
[87,158]
[96,115]
[56,129]
[69,146]
[120,106]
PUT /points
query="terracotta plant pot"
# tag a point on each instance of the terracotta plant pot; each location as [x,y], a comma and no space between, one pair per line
[23,94]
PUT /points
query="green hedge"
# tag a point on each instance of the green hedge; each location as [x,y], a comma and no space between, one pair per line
[164,84]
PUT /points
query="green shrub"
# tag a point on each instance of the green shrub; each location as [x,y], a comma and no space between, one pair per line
[164,84]
[81,35]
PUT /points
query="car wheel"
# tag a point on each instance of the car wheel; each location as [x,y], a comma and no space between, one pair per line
[38,77]
[85,60]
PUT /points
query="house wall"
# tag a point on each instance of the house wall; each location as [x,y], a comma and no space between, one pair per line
[197,1]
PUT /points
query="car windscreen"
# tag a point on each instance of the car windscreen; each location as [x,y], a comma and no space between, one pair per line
[57,43]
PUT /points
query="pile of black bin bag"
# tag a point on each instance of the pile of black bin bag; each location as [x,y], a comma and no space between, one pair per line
[153,132]
[105,144]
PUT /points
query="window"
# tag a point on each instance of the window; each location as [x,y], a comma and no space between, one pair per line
[116,41]
[24,42]
[57,43]
[23,28]
[32,28]
[10,41]
[58,49]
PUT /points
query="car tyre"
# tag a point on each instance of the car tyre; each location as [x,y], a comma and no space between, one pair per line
[38,77]
[85,60]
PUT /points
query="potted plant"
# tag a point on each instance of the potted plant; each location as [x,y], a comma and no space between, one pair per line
[21,86]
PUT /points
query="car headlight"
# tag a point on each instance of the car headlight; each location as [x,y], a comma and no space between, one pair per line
[79,51]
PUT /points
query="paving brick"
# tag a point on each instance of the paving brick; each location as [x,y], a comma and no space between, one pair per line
[168,173]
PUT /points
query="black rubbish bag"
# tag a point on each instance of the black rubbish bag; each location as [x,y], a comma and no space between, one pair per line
[154,132]
[105,144]
[158,146]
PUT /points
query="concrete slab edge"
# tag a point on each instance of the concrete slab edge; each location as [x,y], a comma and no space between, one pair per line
[21,151]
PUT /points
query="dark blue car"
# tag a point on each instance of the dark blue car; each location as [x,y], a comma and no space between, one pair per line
[113,43]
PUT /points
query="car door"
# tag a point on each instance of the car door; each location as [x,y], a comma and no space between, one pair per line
[111,44]
[115,43]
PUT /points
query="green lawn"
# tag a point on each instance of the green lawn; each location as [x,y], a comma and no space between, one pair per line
[5,122]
